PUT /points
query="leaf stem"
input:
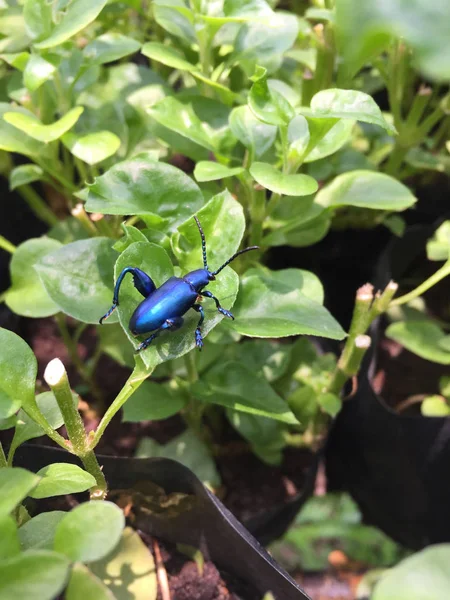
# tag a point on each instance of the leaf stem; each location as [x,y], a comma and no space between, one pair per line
[3,461]
[7,245]
[38,205]
[68,185]
[367,308]
[423,287]
[55,376]
[191,367]
[134,381]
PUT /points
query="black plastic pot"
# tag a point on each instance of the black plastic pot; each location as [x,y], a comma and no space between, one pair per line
[203,522]
[395,466]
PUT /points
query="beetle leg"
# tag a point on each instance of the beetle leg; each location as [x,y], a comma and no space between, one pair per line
[142,282]
[198,333]
[223,311]
[171,324]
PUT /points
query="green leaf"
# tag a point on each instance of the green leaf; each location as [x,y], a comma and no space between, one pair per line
[348,104]
[79,278]
[332,522]
[28,429]
[153,402]
[422,575]
[17,60]
[232,385]
[62,478]
[270,358]
[271,304]
[18,370]
[172,58]
[24,174]
[337,136]
[93,147]
[77,16]
[186,449]
[422,338]
[268,105]
[223,223]
[36,574]
[206,170]
[259,42]
[15,485]
[37,15]
[435,406]
[298,138]
[39,532]
[296,223]
[140,186]
[132,557]
[114,343]
[265,435]
[90,531]
[255,135]
[27,296]
[201,120]
[132,235]
[167,56]
[84,584]
[37,72]
[438,248]
[274,180]
[9,538]
[31,125]
[176,18]
[110,47]
[11,138]
[366,28]
[303,403]
[366,189]
[330,403]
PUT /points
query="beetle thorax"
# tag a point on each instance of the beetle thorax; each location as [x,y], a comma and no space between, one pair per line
[199,278]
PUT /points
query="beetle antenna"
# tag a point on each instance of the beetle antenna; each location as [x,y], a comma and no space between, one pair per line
[235,256]
[205,262]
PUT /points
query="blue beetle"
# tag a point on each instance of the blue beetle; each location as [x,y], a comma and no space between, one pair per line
[164,307]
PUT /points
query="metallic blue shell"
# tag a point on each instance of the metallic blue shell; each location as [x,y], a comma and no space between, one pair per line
[199,278]
[172,299]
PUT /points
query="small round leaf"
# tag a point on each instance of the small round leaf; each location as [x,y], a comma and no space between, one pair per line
[90,531]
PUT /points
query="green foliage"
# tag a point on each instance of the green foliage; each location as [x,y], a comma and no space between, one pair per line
[18,370]
[425,338]
[60,478]
[277,304]
[422,575]
[78,277]
[90,531]
[27,296]
[333,522]
[262,124]
[187,449]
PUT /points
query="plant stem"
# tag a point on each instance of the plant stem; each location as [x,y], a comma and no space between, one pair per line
[68,185]
[367,308]
[3,461]
[134,381]
[423,287]
[258,213]
[38,205]
[349,368]
[6,245]
[191,367]
[56,377]
[71,346]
